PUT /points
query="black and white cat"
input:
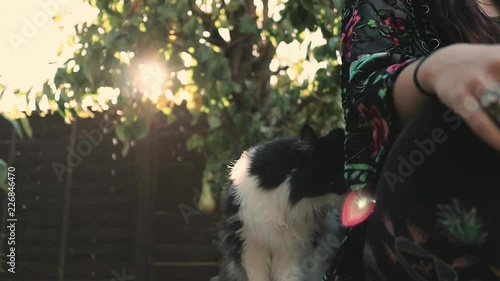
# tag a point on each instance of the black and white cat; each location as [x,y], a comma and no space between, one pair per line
[279,213]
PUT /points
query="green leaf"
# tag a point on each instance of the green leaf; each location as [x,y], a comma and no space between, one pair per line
[48,91]
[225,88]
[202,54]
[171,118]
[233,5]
[308,52]
[308,5]
[125,149]
[248,25]
[141,128]
[25,123]
[237,87]
[372,23]
[166,12]
[4,187]
[191,26]
[213,122]
[110,37]
[218,67]
[91,66]
[332,42]
[3,171]
[3,175]
[181,7]
[122,43]
[121,133]
[17,127]
[195,143]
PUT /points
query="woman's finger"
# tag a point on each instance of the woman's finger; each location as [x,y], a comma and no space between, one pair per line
[482,125]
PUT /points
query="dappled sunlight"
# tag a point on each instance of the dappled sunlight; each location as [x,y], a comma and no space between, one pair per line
[274,8]
[225,34]
[206,5]
[179,98]
[125,57]
[294,53]
[36,33]
[44,103]
[106,95]
[183,76]
[152,78]
[9,101]
[187,58]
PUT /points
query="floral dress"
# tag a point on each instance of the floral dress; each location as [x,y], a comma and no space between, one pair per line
[380,38]
[445,239]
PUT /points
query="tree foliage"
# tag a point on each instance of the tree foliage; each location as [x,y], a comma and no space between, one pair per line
[219,57]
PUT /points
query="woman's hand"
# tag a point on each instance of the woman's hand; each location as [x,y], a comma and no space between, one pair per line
[459,74]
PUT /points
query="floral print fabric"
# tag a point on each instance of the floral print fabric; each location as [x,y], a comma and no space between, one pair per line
[379,39]
[439,232]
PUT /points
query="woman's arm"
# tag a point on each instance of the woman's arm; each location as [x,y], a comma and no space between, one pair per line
[459,75]
[381,43]
[407,99]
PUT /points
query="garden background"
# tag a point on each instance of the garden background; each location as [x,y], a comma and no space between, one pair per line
[120,119]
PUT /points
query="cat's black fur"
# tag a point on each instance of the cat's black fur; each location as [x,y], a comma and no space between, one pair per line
[309,161]
[309,166]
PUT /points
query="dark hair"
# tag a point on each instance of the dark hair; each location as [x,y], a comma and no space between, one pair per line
[463,21]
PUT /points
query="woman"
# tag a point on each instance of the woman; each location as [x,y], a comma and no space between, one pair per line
[413,71]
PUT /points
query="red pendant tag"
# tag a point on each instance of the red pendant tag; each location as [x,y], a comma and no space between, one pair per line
[357,207]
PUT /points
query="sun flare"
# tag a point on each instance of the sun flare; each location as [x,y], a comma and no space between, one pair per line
[33,36]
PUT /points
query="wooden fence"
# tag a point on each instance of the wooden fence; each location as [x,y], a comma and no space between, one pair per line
[86,213]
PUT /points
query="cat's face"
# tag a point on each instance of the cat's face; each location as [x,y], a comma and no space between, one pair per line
[319,165]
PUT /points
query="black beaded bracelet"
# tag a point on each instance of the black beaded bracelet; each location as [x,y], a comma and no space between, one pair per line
[415,80]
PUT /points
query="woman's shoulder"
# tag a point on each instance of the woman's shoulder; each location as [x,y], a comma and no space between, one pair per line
[393,25]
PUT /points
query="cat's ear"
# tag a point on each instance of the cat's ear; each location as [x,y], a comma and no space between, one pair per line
[308,139]
[337,135]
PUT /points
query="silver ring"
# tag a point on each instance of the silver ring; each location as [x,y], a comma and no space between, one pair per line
[490,102]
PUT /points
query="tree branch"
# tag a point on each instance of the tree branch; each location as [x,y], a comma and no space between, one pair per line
[227,120]
[265,3]
[260,68]
[209,25]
